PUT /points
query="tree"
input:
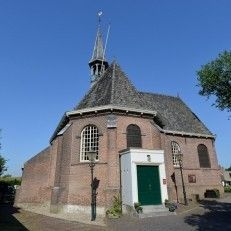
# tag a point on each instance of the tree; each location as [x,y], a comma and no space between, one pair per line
[215,80]
[228,169]
[2,165]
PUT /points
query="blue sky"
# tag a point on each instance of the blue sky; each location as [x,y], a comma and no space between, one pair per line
[45,47]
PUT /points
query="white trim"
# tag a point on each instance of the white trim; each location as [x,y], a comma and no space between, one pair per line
[175,151]
[110,107]
[141,150]
[129,160]
[183,133]
[91,134]
[64,129]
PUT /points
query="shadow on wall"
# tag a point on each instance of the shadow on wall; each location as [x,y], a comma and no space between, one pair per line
[216,216]
[7,220]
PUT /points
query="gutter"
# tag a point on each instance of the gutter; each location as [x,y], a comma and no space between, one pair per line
[111,108]
[183,133]
[64,120]
[66,117]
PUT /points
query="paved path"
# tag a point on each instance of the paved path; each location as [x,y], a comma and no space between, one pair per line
[210,215]
[12,219]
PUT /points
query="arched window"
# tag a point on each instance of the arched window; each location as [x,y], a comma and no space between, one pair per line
[134,136]
[203,156]
[175,152]
[89,142]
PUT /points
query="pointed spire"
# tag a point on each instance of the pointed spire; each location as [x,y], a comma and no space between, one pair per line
[98,47]
[98,64]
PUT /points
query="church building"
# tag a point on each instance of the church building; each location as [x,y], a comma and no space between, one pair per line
[142,141]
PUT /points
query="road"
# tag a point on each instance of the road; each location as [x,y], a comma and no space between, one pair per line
[209,215]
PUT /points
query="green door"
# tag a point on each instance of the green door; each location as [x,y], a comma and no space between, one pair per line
[148,185]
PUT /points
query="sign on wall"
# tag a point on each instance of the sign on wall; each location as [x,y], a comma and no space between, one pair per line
[192,178]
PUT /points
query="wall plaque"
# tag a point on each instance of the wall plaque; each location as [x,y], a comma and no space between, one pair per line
[192,178]
[111,121]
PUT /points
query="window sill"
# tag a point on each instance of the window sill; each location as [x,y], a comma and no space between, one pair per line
[87,163]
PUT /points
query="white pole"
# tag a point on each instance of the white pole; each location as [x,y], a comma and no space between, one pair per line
[104,50]
[108,31]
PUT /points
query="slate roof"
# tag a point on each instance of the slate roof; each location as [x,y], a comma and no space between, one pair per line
[174,114]
[114,88]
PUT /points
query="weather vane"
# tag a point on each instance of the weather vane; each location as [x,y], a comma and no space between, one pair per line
[99,15]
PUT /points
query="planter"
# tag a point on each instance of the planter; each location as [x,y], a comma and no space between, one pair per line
[172,208]
[170,205]
[138,208]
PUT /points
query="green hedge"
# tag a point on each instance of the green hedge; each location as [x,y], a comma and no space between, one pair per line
[11,180]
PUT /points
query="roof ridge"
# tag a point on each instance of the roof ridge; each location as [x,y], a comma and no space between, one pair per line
[160,94]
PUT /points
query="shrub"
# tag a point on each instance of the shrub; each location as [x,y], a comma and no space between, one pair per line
[116,209]
[11,180]
[7,192]
[227,188]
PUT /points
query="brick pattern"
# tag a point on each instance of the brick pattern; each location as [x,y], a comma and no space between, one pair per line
[35,187]
[206,178]
[60,165]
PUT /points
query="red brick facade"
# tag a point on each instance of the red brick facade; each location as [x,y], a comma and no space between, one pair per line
[57,177]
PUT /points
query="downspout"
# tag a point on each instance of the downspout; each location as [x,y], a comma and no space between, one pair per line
[120,184]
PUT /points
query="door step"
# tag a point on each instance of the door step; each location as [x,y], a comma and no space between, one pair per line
[155,211]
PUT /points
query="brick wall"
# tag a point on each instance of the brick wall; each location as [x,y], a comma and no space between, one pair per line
[35,186]
[206,178]
[111,141]
[79,188]
[58,169]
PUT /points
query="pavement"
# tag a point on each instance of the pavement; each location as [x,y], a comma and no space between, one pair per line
[208,215]
[14,219]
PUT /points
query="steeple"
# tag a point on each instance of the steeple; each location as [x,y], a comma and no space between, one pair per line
[98,64]
[98,47]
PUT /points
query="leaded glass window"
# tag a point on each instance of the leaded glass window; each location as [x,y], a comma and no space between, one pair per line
[175,152]
[203,156]
[89,142]
[134,136]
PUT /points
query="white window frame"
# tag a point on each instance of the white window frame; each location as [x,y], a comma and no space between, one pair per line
[175,151]
[89,141]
